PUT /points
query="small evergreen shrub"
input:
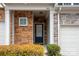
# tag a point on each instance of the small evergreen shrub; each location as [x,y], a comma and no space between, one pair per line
[53,50]
[22,50]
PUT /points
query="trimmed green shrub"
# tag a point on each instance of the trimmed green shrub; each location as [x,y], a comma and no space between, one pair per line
[22,50]
[53,50]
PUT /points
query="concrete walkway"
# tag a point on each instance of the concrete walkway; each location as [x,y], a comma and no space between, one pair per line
[45,51]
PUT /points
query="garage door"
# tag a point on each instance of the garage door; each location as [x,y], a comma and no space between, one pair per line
[69,40]
[2,33]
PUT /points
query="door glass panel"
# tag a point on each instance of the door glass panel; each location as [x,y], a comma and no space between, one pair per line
[39,31]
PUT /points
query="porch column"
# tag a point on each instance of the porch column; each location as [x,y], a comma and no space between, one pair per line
[51,24]
[7,27]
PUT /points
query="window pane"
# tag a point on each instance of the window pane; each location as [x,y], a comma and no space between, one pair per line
[67,3]
[76,3]
[59,3]
[23,21]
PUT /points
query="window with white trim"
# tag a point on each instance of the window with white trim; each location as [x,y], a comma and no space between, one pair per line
[23,21]
[75,3]
[60,3]
[67,3]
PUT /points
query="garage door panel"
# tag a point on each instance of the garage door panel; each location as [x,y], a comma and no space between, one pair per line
[69,40]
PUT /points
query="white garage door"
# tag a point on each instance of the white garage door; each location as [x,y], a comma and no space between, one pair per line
[69,40]
[2,33]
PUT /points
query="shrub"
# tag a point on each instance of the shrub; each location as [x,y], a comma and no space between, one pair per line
[53,50]
[22,50]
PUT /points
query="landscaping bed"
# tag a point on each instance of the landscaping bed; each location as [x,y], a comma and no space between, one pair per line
[22,50]
[53,50]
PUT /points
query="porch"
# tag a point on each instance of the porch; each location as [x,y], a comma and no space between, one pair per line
[36,30]
[40,24]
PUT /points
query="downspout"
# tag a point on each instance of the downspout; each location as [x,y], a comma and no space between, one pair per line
[58,12]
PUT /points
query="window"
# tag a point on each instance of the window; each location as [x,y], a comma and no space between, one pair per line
[75,3]
[59,3]
[64,4]
[67,3]
[23,21]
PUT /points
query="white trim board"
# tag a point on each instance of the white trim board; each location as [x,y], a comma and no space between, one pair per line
[29,6]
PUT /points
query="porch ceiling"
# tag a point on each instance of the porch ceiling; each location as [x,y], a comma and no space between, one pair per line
[41,13]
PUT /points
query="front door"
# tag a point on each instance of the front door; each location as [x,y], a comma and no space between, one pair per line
[39,33]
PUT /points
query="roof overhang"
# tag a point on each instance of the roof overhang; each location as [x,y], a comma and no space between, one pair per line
[29,6]
[68,9]
[26,1]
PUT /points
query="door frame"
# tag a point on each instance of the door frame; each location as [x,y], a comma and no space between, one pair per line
[34,32]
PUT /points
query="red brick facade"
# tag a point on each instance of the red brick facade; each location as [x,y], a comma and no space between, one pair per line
[23,35]
[1,14]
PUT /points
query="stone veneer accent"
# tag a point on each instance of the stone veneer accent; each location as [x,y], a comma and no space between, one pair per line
[23,35]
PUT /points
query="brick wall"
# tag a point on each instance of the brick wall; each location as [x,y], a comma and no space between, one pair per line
[23,35]
[1,14]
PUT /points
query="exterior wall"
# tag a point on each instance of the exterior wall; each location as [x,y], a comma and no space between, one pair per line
[23,7]
[37,7]
[22,35]
[65,19]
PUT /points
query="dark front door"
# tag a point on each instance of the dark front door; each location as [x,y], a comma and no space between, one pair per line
[39,33]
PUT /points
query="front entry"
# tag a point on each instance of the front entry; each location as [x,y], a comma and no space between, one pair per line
[39,33]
